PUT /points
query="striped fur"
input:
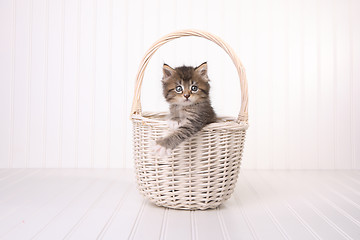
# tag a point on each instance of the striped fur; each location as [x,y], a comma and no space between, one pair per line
[191,109]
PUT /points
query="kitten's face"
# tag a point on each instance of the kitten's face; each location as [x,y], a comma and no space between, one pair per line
[185,85]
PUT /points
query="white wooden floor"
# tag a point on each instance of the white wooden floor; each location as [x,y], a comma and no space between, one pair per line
[104,204]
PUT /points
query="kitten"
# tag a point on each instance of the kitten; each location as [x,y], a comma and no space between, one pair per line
[186,89]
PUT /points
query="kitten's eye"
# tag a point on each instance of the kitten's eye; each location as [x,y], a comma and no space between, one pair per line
[178,89]
[194,88]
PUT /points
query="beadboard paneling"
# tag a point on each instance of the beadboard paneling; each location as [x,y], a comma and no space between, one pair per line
[67,73]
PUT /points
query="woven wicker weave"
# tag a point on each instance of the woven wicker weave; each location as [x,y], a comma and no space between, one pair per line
[201,172]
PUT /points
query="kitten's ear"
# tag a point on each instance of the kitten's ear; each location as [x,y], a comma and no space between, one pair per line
[202,71]
[167,71]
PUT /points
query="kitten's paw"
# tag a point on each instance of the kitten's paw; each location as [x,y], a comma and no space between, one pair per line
[160,151]
[173,125]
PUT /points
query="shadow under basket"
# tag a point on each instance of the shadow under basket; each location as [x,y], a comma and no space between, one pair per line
[201,172]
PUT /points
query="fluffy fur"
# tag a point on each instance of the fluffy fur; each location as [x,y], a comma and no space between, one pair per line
[186,89]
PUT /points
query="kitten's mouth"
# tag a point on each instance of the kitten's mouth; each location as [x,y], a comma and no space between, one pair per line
[186,102]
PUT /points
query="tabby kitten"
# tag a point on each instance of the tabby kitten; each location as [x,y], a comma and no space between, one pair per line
[186,89]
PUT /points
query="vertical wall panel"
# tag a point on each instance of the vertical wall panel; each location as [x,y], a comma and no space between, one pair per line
[199,47]
[184,20]
[85,85]
[216,55]
[21,84]
[54,79]
[77,84]
[68,68]
[93,23]
[36,113]
[102,84]
[309,120]
[342,78]
[7,28]
[228,82]
[135,53]
[264,86]
[279,76]
[296,89]
[29,83]
[326,115]
[119,89]
[151,19]
[166,23]
[45,84]
[355,80]
[69,85]
[245,47]
[109,85]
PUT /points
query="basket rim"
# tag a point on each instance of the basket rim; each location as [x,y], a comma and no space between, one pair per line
[149,118]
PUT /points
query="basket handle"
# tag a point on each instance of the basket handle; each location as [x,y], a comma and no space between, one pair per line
[243,114]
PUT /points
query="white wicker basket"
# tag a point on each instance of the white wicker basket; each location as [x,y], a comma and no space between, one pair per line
[201,172]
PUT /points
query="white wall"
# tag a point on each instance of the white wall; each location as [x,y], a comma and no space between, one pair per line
[67,72]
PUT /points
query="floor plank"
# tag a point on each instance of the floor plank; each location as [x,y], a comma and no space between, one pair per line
[124,220]
[299,184]
[177,225]
[92,222]
[258,213]
[105,204]
[27,226]
[287,223]
[24,200]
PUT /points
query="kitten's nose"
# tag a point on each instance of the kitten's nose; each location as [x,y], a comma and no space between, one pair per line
[186,96]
